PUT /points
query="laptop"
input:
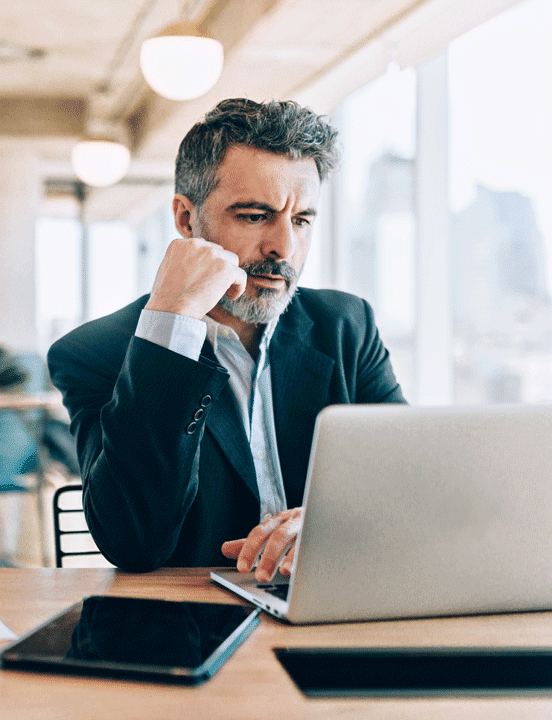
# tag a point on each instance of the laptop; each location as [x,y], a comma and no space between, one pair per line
[416,512]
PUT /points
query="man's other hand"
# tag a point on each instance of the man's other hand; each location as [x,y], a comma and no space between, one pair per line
[273,540]
[193,276]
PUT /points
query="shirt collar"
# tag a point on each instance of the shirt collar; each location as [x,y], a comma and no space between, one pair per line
[218,331]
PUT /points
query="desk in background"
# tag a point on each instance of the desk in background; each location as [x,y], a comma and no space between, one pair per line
[33,410]
[251,685]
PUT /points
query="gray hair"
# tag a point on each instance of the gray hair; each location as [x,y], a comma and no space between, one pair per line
[280,127]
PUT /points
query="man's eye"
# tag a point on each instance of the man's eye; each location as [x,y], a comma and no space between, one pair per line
[253,217]
[302,221]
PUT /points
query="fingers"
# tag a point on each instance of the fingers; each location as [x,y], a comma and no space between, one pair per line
[238,286]
[193,276]
[257,541]
[232,548]
[270,542]
[285,567]
[278,544]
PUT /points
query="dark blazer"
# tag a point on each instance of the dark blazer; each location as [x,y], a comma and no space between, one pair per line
[140,412]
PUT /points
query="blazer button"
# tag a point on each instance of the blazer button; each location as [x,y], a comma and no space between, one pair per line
[205,401]
[191,428]
[198,414]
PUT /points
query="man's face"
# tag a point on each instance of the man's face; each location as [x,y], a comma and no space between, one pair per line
[263,210]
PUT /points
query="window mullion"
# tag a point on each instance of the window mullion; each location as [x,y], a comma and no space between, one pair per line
[433,357]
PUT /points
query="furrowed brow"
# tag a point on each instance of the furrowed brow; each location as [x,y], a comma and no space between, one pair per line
[255,205]
[252,205]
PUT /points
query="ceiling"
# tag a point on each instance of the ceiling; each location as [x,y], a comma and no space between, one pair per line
[82,65]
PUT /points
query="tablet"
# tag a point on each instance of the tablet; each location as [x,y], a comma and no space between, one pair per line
[423,672]
[182,642]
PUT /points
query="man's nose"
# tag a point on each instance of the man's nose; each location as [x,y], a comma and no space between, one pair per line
[280,242]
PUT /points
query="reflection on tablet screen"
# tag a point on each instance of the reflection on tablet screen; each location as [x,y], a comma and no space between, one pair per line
[115,636]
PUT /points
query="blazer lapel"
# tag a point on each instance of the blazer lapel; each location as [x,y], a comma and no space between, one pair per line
[225,425]
[300,384]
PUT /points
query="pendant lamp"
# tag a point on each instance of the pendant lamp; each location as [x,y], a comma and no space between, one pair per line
[100,163]
[102,158]
[181,63]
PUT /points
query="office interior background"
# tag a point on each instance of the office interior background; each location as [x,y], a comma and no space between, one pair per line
[441,215]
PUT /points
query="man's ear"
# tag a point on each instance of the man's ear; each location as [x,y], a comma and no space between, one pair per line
[183,209]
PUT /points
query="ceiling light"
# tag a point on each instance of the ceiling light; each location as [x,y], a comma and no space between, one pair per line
[181,63]
[100,162]
[102,157]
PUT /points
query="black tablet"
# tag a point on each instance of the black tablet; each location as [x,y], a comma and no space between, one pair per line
[410,672]
[182,642]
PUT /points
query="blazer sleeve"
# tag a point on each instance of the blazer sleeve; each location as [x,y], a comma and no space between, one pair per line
[375,379]
[138,428]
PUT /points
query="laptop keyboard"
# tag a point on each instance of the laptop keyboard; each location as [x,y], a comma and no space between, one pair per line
[280,590]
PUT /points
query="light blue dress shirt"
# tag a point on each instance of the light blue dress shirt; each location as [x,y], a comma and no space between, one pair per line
[250,382]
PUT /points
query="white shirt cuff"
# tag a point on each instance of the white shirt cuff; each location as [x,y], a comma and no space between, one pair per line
[183,335]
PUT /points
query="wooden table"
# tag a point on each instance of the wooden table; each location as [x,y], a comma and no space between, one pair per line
[20,402]
[251,685]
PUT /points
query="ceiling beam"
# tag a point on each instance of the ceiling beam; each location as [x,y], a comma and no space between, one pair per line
[42,116]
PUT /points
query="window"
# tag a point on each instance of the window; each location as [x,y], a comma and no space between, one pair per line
[465,308]
[112,259]
[84,275]
[375,224]
[500,80]
[58,247]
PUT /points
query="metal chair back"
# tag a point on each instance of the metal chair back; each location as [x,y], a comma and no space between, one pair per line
[74,545]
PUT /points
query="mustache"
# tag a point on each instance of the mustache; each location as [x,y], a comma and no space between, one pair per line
[272,267]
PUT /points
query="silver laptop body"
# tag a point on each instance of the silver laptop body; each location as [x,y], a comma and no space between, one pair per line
[414,512]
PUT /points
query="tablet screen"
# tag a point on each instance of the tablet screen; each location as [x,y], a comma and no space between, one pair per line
[117,636]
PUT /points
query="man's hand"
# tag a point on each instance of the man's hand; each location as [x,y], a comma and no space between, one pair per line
[275,538]
[193,276]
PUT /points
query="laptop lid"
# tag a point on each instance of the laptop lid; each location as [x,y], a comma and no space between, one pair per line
[413,512]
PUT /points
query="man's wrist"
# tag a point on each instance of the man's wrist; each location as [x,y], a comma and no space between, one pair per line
[179,333]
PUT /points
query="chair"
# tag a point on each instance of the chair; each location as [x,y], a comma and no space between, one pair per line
[74,545]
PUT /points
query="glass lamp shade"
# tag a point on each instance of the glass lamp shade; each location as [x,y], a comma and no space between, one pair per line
[181,67]
[100,162]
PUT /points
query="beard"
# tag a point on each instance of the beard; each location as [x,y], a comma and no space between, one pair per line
[267,304]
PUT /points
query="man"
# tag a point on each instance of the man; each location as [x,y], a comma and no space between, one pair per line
[194,408]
